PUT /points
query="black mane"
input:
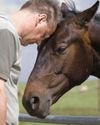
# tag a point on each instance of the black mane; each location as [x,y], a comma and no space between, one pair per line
[70,9]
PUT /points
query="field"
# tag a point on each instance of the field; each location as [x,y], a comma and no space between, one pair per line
[75,102]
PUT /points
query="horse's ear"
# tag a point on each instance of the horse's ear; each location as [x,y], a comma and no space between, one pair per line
[84,17]
[64,9]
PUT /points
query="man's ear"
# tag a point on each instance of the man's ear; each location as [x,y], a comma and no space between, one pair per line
[42,17]
[84,17]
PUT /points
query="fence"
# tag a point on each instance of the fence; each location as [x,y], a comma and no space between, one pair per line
[75,120]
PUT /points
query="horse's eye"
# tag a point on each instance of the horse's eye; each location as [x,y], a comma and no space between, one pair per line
[60,50]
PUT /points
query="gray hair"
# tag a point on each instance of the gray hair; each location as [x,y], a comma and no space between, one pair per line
[49,7]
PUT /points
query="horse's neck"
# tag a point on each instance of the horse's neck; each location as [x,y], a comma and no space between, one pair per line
[94,34]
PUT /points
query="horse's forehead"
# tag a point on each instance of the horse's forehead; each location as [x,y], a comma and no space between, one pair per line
[83,34]
[62,31]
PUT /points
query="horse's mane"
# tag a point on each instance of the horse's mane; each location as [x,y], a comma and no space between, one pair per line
[70,9]
[97,17]
[71,5]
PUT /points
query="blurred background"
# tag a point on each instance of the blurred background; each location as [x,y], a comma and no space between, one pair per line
[81,100]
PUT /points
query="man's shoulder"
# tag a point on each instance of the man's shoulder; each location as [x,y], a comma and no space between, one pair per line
[6,24]
[3,21]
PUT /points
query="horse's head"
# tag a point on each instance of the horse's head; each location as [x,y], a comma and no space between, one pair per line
[64,61]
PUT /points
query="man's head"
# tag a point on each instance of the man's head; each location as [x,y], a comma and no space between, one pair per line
[45,16]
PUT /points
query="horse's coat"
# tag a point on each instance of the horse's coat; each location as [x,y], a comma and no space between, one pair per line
[65,60]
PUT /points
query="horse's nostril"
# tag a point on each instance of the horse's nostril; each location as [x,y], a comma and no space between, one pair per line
[34,102]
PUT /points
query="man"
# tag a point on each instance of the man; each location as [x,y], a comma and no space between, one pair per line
[35,21]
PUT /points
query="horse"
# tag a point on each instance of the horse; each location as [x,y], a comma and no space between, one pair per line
[64,60]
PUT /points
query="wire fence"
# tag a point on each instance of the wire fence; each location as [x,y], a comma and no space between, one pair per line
[69,120]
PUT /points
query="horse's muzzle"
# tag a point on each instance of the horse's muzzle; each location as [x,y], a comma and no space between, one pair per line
[37,106]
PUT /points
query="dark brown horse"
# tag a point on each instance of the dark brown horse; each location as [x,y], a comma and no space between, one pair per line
[65,60]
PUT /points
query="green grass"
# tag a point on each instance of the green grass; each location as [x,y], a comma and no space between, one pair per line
[73,102]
